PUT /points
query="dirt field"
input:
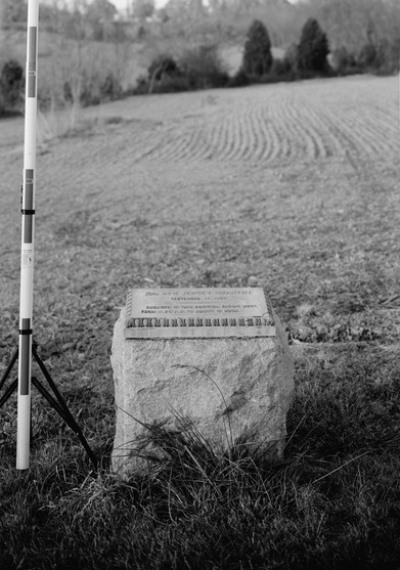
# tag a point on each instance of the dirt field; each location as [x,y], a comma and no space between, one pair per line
[293,184]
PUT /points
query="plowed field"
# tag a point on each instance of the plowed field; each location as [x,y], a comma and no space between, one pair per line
[293,185]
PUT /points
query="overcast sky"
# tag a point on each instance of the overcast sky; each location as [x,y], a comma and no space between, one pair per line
[122,4]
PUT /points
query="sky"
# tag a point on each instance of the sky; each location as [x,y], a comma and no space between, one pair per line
[121,4]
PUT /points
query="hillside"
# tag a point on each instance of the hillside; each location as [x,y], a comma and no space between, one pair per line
[290,186]
[263,181]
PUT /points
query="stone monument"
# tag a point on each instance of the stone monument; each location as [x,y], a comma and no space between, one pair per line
[216,360]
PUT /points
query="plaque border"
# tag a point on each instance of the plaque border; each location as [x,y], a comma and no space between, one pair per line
[161,328]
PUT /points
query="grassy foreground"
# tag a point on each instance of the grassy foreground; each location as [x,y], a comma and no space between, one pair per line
[322,232]
[333,503]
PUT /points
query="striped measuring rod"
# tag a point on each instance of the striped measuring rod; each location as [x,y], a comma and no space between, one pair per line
[27,245]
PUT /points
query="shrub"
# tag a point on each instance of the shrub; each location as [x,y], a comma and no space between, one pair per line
[159,73]
[169,84]
[142,85]
[203,68]
[11,85]
[240,79]
[291,57]
[282,69]
[198,68]
[313,49]
[2,104]
[368,56]
[343,62]
[257,57]
[383,57]
[111,88]
[161,66]
[389,54]
[93,89]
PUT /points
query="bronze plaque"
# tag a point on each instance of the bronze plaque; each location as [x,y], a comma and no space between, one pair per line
[198,313]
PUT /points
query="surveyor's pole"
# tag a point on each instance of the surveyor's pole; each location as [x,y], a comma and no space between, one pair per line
[27,241]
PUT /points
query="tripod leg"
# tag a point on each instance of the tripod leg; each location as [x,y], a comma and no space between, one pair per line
[52,401]
[61,407]
[9,368]
[8,393]
[66,416]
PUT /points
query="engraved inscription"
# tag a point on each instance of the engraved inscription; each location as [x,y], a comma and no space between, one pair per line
[156,313]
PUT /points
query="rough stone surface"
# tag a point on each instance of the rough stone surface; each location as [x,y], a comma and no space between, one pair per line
[233,391]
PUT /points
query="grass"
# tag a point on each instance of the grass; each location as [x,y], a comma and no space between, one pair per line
[324,240]
[334,502]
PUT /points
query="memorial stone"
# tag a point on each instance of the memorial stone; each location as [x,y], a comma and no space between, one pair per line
[217,359]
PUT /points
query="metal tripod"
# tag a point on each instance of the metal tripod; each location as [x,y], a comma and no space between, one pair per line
[57,402]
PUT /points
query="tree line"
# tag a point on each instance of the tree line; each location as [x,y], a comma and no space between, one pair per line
[201,67]
[347,22]
[349,36]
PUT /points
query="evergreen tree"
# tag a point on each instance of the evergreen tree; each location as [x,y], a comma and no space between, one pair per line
[257,57]
[313,48]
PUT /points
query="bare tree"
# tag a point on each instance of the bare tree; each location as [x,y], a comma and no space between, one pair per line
[101,15]
[355,22]
[143,9]
[184,11]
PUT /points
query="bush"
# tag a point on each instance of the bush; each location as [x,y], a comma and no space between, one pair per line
[168,84]
[2,104]
[313,49]
[343,62]
[240,79]
[291,57]
[198,68]
[93,89]
[257,57]
[11,85]
[161,66]
[282,69]
[368,57]
[111,88]
[203,68]
[383,57]
[389,54]
[161,74]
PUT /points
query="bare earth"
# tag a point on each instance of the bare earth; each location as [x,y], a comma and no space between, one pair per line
[293,184]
